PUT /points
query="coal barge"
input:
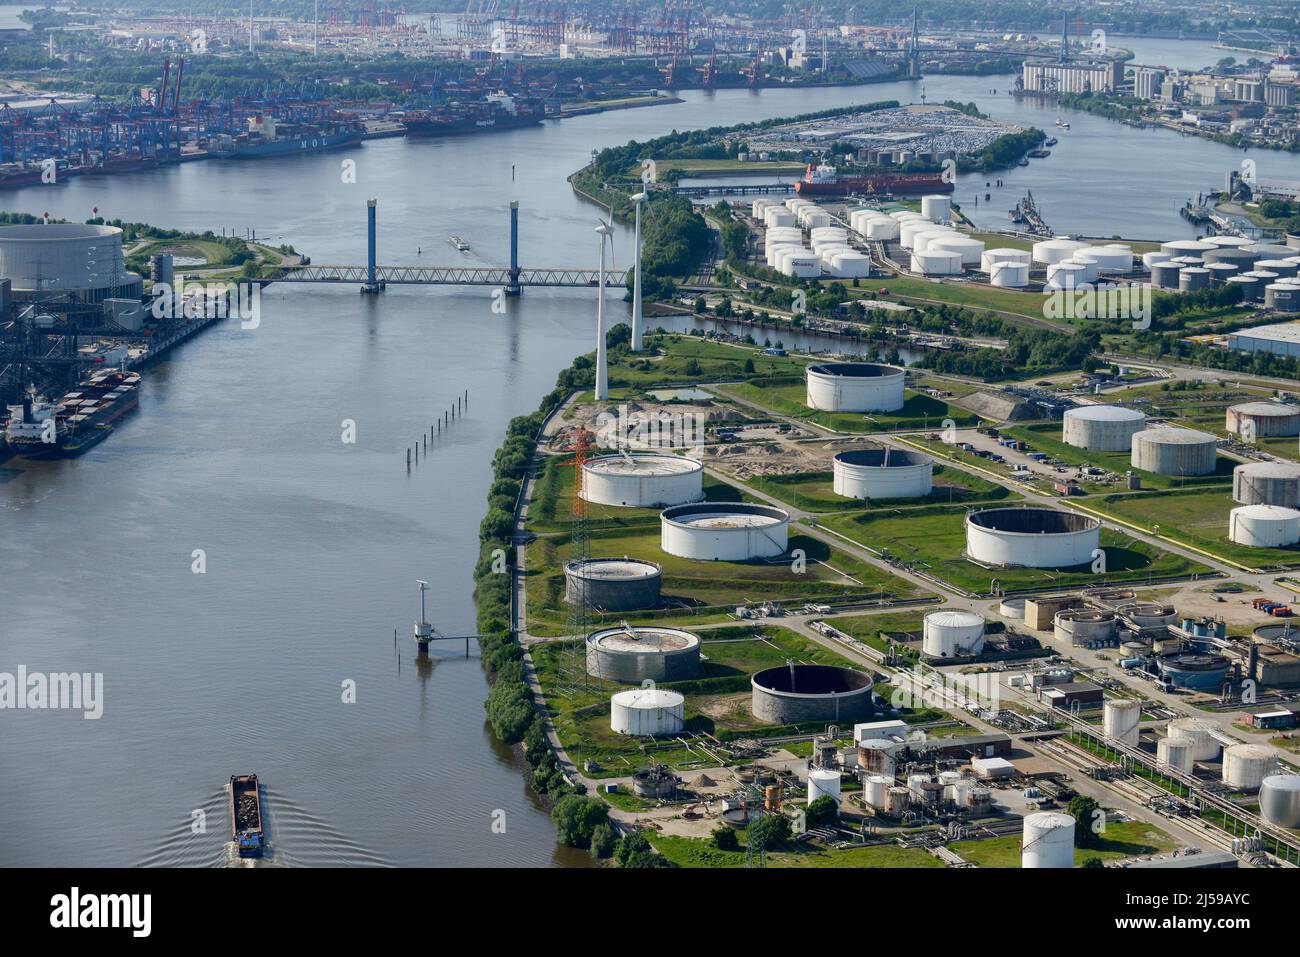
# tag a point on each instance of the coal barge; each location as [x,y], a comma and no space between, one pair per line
[246,815]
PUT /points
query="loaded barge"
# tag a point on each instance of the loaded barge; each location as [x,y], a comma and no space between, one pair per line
[246,815]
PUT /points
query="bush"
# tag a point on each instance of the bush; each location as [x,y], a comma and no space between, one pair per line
[724,839]
[772,830]
[823,811]
[576,818]
[603,841]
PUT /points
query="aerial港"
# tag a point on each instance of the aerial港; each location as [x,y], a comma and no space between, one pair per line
[133,911]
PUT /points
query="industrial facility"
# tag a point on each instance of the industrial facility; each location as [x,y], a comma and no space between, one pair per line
[1032,537]
[82,262]
[730,532]
[794,694]
[1102,428]
[642,480]
[1267,483]
[882,473]
[647,712]
[613,584]
[855,387]
[950,634]
[1258,420]
[633,655]
[1175,451]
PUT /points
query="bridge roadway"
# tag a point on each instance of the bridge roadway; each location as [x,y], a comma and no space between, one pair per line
[448,276]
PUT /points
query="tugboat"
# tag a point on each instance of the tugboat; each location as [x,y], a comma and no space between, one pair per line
[246,815]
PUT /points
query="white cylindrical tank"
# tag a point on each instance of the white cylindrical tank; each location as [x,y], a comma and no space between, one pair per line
[1091,265]
[921,241]
[1048,840]
[724,531]
[1050,251]
[855,387]
[1264,526]
[1120,717]
[882,230]
[910,229]
[1257,420]
[947,634]
[937,209]
[1267,483]
[936,263]
[850,265]
[877,754]
[882,473]
[1155,258]
[1186,247]
[1279,800]
[1102,428]
[875,791]
[1066,274]
[800,263]
[647,711]
[51,259]
[794,203]
[759,206]
[969,248]
[1205,746]
[1174,451]
[902,214]
[1031,537]
[1003,254]
[772,251]
[1176,753]
[812,218]
[1009,275]
[829,232]
[642,480]
[776,216]
[1246,765]
[823,782]
[1112,258]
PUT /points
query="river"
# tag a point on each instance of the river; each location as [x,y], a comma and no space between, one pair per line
[313,545]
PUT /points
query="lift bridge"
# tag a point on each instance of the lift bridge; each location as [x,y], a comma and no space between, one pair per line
[373,278]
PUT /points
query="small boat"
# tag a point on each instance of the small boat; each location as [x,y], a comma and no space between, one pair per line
[459,243]
[246,815]
[1023,162]
[1062,124]
[1051,141]
[1039,154]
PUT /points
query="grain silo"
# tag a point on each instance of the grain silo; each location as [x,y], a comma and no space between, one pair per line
[1102,428]
[1174,451]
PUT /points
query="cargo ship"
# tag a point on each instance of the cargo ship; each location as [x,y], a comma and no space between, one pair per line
[266,136]
[246,815]
[826,181]
[40,429]
[496,111]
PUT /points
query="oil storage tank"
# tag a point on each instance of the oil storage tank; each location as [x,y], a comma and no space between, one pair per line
[81,261]
[1165,274]
[823,782]
[1176,753]
[724,531]
[1048,840]
[613,584]
[1193,279]
[937,209]
[1264,526]
[1085,627]
[936,262]
[794,694]
[1031,537]
[948,634]
[882,230]
[1263,419]
[1174,451]
[968,248]
[1120,718]
[644,712]
[1279,800]
[1205,746]
[1009,275]
[855,387]
[633,655]
[882,473]
[1102,428]
[1194,670]
[1003,254]
[1282,297]
[1049,251]
[642,480]
[1267,483]
[1245,766]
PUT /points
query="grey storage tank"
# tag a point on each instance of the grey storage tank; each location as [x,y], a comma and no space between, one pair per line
[1173,451]
[1165,274]
[793,694]
[613,584]
[1267,483]
[1219,272]
[633,655]
[1102,428]
[1193,279]
[1241,258]
[1263,419]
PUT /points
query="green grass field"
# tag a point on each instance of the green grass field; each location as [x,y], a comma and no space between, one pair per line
[934,538]
[787,396]
[813,491]
[1026,304]
[698,852]
[680,359]
[1122,839]
[1194,517]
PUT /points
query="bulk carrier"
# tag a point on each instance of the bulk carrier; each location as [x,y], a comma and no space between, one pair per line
[496,111]
[39,429]
[826,181]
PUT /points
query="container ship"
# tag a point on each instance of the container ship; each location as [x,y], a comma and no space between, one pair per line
[496,111]
[39,429]
[826,181]
[266,136]
[246,815]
